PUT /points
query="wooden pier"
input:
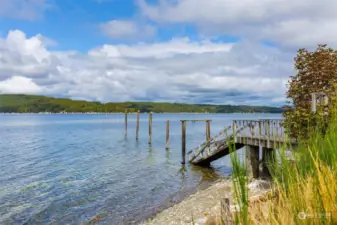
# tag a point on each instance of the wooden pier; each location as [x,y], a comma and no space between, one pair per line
[252,134]
[268,134]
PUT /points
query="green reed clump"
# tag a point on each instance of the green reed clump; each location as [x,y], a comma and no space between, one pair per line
[305,181]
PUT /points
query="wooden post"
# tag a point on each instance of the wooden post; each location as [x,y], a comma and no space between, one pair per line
[208,130]
[260,132]
[234,130]
[268,158]
[183,140]
[150,128]
[313,102]
[252,161]
[226,215]
[137,125]
[126,123]
[167,134]
[208,134]
[268,133]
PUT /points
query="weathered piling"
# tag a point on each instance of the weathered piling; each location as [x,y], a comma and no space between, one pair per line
[126,123]
[183,141]
[167,134]
[150,128]
[137,125]
[268,158]
[252,161]
[208,133]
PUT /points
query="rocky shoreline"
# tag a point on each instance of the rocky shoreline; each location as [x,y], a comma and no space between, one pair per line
[205,205]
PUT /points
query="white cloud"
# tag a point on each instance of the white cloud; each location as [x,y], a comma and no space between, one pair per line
[23,9]
[117,29]
[297,23]
[19,85]
[160,50]
[180,70]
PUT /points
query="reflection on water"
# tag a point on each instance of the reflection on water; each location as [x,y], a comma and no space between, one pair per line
[73,169]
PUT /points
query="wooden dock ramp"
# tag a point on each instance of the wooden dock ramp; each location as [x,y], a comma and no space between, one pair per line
[268,134]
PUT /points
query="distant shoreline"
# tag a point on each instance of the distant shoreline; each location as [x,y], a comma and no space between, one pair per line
[101,113]
[15,103]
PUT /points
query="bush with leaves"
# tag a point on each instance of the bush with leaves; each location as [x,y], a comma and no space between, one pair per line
[316,72]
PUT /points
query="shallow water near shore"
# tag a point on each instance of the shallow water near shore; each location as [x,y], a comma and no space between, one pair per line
[77,169]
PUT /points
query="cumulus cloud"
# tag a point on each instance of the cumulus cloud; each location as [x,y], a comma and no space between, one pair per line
[180,70]
[19,85]
[23,9]
[296,23]
[118,29]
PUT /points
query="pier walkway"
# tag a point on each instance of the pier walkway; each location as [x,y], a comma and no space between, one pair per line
[252,134]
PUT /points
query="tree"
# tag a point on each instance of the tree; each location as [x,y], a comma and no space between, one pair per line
[316,72]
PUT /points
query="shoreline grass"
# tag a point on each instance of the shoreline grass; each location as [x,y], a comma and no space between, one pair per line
[304,189]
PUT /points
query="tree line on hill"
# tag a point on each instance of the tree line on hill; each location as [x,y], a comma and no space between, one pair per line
[19,103]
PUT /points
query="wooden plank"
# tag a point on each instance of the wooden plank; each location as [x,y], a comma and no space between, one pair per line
[195,120]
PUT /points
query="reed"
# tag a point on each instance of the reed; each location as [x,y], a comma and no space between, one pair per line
[305,182]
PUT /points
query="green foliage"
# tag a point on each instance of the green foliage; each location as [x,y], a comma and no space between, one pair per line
[316,72]
[304,181]
[34,104]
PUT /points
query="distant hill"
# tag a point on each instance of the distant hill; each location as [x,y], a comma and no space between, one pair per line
[18,103]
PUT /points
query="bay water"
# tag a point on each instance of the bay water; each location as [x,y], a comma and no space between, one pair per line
[81,169]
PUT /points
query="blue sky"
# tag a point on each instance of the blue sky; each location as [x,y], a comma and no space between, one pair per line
[195,51]
[68,22]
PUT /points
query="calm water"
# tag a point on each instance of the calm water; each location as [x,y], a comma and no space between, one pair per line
[73,169]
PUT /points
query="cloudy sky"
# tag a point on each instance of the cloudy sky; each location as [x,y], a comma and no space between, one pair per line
[194,51]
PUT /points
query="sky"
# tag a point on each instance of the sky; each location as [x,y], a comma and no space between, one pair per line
[189,51]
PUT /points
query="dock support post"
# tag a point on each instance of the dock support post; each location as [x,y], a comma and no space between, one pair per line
[167,134]
[268,133]
[183,141]
[150,128]
[252,161]
[126,123]
[208,134]
[268,158]
[137,125]
[234,131]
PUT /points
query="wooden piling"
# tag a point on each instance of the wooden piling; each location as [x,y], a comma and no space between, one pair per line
[268,158]
[137,125]
[208,130]
[183,141]
[126,123]
[208,134]
[234,130]
[268,133]
[167,134]
[150,128]
[252,161]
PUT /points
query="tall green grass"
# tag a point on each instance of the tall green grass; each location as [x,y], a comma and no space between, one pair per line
[305,188]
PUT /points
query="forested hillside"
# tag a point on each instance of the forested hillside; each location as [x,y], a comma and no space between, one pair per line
[34,104]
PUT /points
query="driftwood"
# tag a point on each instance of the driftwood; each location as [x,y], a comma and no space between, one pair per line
[226,214]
